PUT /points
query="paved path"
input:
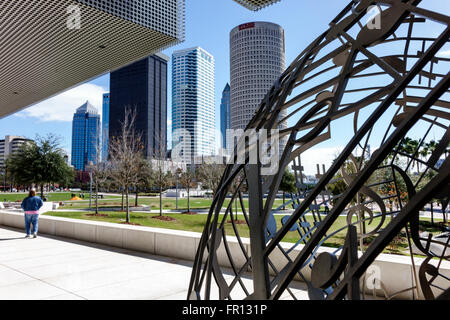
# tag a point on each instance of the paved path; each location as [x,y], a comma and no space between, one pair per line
[52,268]
[56,268]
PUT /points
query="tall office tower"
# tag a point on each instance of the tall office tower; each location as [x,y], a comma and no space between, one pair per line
[10,145]
[225,111]
[257,53]
[142,86]
[86,135]
[193,107]
[105,126]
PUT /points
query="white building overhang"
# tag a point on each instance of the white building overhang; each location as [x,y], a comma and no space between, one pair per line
[45,49]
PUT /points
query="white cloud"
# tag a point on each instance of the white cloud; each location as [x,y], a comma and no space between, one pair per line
[445,53]
[63,106]
[312,157]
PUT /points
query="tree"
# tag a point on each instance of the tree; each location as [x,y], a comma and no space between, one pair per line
[187,180]
[125,152]
[40,162]
[287,184]
[6,176]
[210,174]
[162,176]
[145,178]
[238,184]
[162,179]
[99,171]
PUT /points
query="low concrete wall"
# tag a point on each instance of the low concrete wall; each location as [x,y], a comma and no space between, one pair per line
[46,207]
[396,272]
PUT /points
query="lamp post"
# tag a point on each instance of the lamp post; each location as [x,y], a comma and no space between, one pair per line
[176,193]
[90,184]
[176,188]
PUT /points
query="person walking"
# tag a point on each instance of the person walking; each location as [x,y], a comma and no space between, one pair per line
[31,206]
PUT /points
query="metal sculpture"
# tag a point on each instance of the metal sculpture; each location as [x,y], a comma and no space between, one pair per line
[393,83]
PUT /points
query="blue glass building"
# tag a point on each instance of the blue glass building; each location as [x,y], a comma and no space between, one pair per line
[85,136]
[105,126]
[193,109]
[225,120]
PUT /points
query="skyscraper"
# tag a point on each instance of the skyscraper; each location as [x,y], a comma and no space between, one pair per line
[10,145]
[142,86]
[257,53]
[85,136]
[193,107]
[105,126]
[225,111]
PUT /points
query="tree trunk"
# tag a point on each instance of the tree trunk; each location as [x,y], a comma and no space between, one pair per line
[136,199]
[122,199]
[284,200]
[160,201]
[42,190]
[236,209]
[444,214]
[188,202]
[96,198]
[432,213]
[128,208]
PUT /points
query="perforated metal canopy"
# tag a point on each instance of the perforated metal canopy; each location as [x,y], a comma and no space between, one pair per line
[256,4]
[41,54]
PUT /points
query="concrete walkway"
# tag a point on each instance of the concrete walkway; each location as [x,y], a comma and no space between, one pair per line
[62,269]
[56,268]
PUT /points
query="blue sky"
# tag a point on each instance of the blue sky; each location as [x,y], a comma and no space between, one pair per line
[208,23]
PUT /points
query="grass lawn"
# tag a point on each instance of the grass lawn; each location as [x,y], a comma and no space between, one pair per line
[196,223]
[168,203]
[51,196]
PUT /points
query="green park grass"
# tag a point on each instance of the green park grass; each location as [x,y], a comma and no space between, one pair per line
[52,196]
[195,223]
[153,203]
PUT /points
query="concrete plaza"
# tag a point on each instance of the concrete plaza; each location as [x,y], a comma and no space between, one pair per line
[51,267]
[54,268]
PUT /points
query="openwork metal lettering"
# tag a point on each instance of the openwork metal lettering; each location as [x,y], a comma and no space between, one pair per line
[387,88]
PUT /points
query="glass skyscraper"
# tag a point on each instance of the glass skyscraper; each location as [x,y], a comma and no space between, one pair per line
[193,108]
[105,126]
[225,120]
[142,86]
[85,136]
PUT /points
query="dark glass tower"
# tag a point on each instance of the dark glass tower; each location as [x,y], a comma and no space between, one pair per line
[225,121]
[85,136]
[105,126]
[142,86]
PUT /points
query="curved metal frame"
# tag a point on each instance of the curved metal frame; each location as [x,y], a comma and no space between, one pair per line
[315,90]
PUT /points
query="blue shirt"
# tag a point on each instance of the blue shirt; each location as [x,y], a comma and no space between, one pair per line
[32,203]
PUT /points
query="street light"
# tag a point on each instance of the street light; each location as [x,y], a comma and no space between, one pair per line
[90,184]
[176,192]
